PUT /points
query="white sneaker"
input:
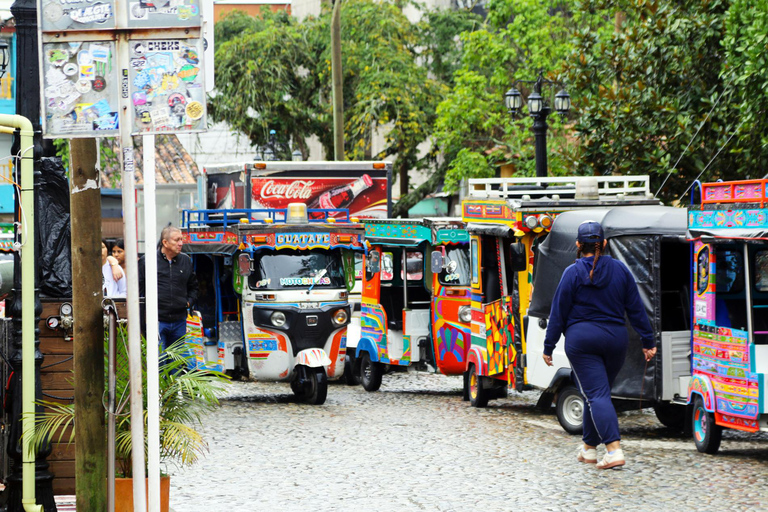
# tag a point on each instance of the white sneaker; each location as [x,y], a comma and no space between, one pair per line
[587,455]
[612,460]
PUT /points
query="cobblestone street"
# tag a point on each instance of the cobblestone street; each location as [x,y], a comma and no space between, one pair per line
[414,445]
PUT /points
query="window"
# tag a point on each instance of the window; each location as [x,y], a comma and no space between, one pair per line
[372,265]
[387,266]
[730,271]
[414,266]
[289,270]
[761,271]
[702,270]
[456,267]
[475,263]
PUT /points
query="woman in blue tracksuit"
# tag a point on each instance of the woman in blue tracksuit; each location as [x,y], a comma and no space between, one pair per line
[588,307]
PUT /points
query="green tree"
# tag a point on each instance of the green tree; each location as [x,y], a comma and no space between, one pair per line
[656,86]
[519,38]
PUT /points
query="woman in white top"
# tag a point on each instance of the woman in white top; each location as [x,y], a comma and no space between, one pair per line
[112,275]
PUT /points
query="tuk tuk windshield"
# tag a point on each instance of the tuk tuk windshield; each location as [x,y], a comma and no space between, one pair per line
[290,270]
[456,269]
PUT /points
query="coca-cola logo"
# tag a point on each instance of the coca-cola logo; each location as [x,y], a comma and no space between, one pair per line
[297,189]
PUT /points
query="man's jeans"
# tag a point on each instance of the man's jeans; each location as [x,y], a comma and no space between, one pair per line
[170,332]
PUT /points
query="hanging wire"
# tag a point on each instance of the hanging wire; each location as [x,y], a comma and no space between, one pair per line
[713,159]
[693,138]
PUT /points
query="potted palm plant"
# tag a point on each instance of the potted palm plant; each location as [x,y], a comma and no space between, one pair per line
[186,395]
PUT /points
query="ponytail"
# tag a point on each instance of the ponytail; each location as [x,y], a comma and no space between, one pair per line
[598,252]
[595,248]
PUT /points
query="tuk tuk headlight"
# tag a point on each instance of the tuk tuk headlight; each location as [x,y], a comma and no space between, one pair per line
[465,314]
[278,318]
[340,317]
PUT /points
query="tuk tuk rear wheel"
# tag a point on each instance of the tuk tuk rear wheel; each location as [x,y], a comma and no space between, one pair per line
[350,377]
[570,409]
[370,373]
[316,386]
[670,415]
[706,434]
[478,395]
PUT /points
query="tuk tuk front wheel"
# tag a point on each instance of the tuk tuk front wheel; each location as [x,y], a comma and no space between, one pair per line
[706,434]
[350,377]
[570,409]
[478,395]
[316,386]
[670,415]
[370,373]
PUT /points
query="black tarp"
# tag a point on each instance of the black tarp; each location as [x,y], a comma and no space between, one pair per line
[53,227]
[489,229]
[224,249]
[634,236]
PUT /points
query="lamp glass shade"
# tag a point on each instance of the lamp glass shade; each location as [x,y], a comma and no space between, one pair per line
[296,155]
[513,100]
[562,102]
[4,56]
[535,103]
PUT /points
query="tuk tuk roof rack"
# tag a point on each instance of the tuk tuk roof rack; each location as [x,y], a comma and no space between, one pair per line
[201,219]
[565,187]
[729,192]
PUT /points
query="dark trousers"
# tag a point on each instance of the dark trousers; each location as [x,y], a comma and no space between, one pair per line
[171,332]
[597,353]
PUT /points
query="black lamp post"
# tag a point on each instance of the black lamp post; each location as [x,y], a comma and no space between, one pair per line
[538,110]
[27,105]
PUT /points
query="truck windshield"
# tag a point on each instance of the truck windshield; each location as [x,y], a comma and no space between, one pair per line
[456,269]
[288,270]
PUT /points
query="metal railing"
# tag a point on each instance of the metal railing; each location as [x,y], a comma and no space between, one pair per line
[506,188]
[230,217]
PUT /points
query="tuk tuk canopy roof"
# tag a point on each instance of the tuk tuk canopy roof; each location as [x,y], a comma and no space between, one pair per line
[558,250]
[728,222]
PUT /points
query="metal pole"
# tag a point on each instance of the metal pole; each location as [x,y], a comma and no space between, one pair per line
[112,384]
[88,333]
[132,272]
[153,370]
[337,83]
[540,137]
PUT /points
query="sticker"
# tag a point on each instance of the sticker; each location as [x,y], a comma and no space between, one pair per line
[303,281]
[138,12]
[185,12]
[142,80]
[124,84]
[70,68]
[83,86]
[263,283]
[55,76]
[452,277]
[58,90]
[161,60]
[57,56]
[87,72]
[190,55]
[139,98]
[188,72]
[139,49]
[128,159]
[53,12]
[139,63]
[160,117]
[195,110]
[84,58]
[163,46]
[101,108]
[108,121]
[99,53]
[176,99]
[170,83]
[99,84]
[73,47]
[144,116]
[96,13]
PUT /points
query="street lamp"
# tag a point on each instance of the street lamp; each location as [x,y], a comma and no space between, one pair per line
[5,56]
[538,109]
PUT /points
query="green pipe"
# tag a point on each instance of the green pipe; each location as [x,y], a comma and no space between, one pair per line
[26,131]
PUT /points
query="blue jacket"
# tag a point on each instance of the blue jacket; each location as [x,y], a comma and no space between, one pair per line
[602,301]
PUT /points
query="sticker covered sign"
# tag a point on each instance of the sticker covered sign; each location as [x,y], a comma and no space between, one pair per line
[166,85]
[79,95]
[78,15]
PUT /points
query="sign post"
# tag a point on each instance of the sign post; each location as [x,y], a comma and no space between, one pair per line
[124,68]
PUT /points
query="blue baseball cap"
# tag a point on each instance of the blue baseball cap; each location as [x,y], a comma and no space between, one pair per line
[590,232]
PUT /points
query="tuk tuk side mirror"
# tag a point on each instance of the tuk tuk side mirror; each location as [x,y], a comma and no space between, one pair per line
[373,263]
[518,258]
[244,264]
[436,262]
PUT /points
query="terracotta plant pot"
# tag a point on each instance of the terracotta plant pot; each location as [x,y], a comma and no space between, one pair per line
[124,494]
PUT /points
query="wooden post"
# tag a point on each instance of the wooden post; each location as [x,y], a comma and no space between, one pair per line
[88,331]
[337,83]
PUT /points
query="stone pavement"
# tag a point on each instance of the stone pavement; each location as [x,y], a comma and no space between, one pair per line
[414,445]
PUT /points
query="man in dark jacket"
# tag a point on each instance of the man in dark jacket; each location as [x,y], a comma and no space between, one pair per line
[176,286]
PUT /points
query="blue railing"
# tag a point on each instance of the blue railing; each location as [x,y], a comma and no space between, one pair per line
[229,217]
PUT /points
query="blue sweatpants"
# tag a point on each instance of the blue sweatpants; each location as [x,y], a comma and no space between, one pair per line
[597,353]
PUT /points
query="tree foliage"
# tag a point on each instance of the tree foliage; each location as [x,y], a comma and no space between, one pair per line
[274,74]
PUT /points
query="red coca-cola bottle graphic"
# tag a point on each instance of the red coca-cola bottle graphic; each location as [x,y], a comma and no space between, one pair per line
[342,196]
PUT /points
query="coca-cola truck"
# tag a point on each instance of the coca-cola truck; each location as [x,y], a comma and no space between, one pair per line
[362,188]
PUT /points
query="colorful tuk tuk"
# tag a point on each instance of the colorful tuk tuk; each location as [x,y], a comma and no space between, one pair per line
[507,219]
[274,291]
[414,317]
[651,242]
[729,229]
